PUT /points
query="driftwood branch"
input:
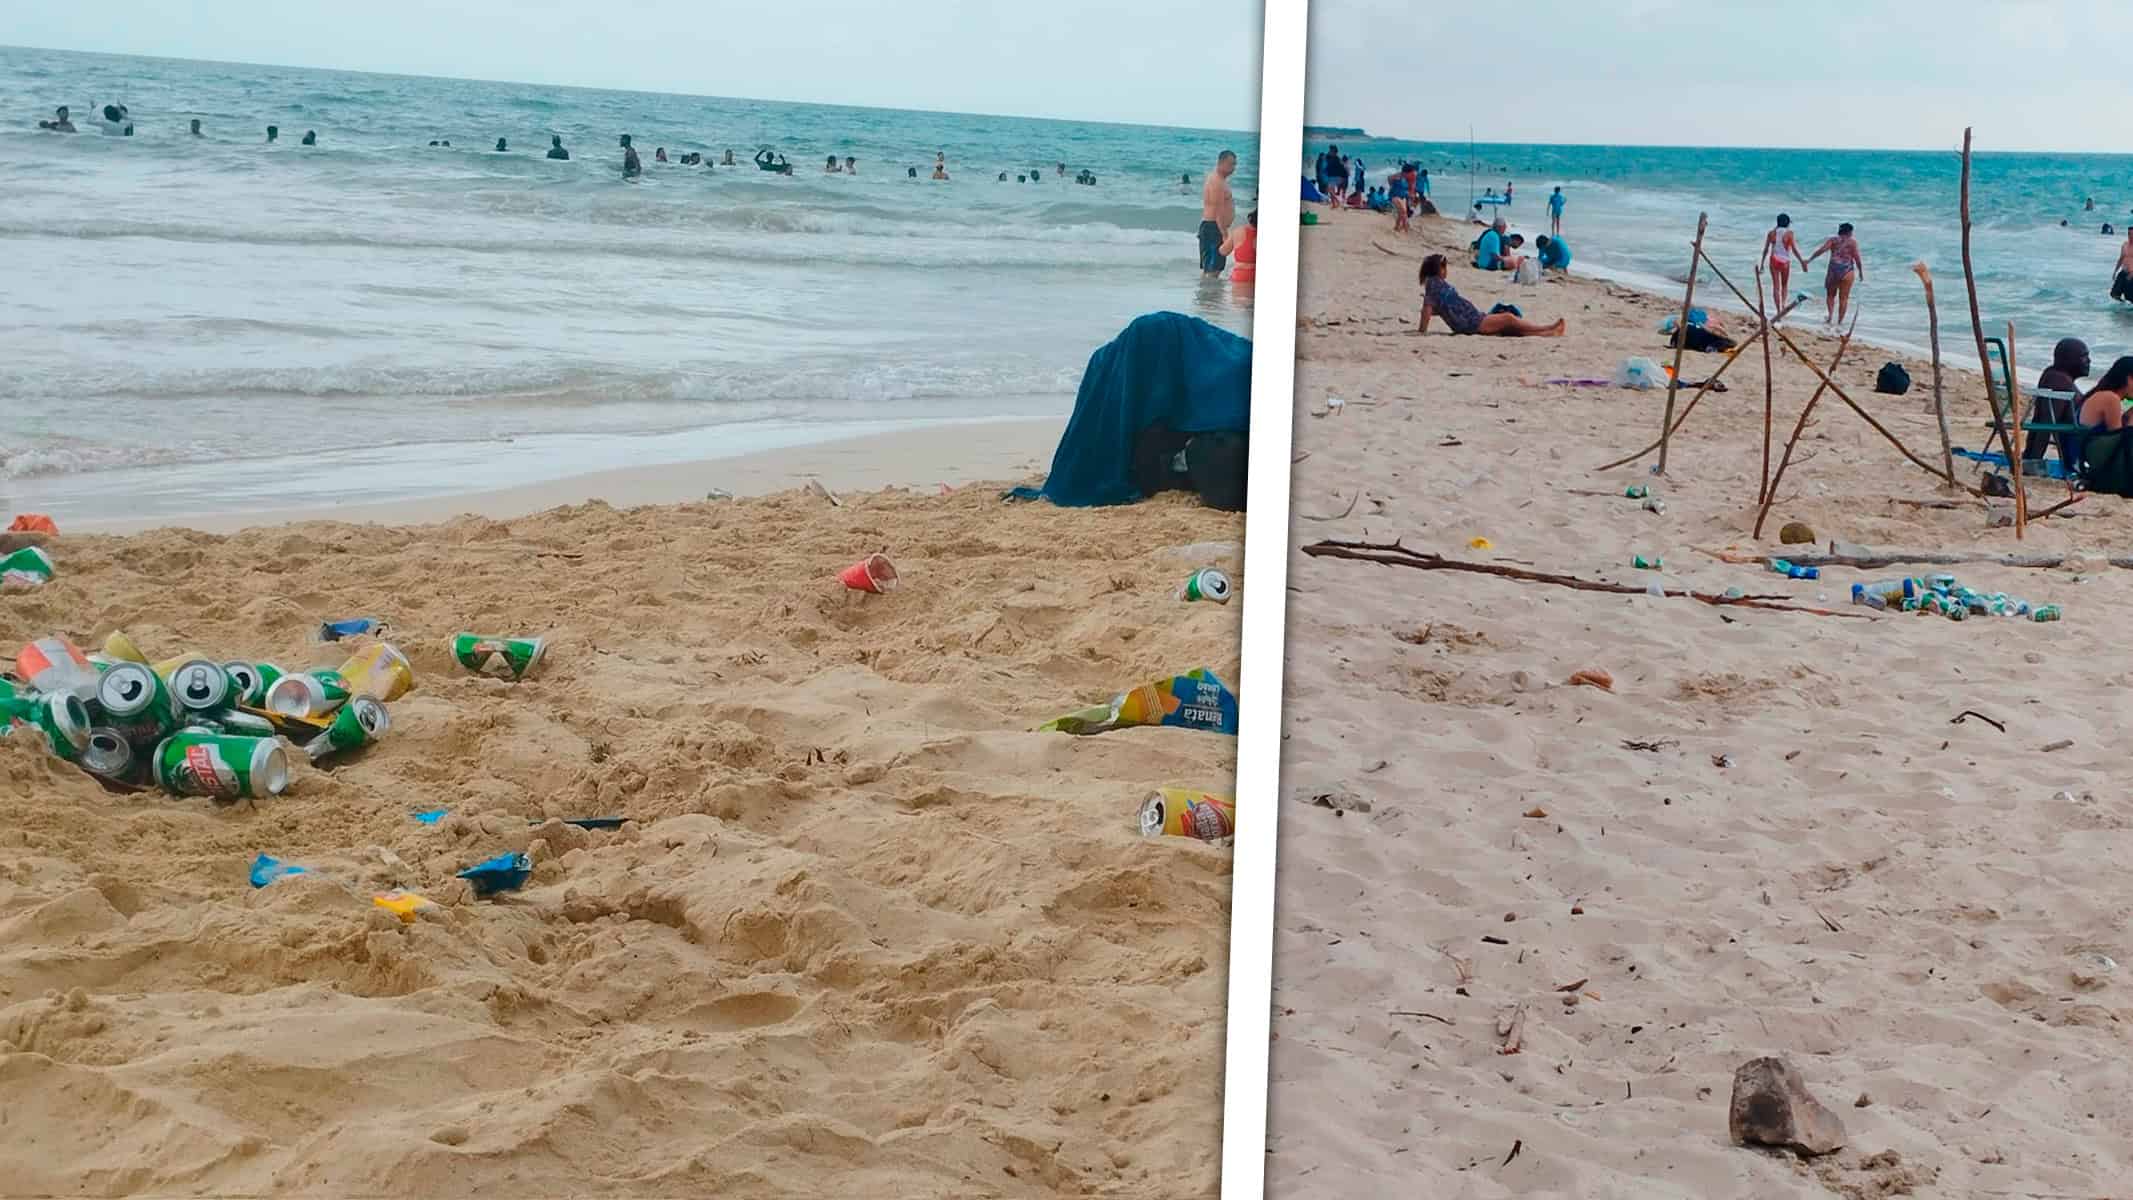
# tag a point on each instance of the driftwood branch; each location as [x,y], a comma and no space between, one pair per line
[1681,341]
[2014,461]
[1393,554]
[1762,316]
[1770,489]
[1977,320]
[1940,406]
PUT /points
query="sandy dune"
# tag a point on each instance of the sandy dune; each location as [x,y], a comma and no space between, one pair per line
[865,934]
[1768,839]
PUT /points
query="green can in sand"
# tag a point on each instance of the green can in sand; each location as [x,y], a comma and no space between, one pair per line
[198,763]
[201,686]
[308,694]
[1208,584]
[60,716]
[249,681]
[30,565]
[136,702]
[508,657]
[360,722]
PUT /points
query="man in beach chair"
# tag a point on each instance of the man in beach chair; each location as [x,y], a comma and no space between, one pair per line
[2054,398]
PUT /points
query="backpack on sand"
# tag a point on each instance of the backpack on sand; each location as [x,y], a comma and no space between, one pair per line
[1893,380]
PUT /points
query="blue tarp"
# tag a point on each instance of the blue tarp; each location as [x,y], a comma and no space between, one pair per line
[1165,367]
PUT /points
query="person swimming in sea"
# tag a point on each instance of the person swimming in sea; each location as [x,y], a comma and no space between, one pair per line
[940,165]
[555,148]
[632,166]
[1003,177]
[832,167]
[310,137]
[502,146]
[851,165]
[196,128]
[61,122]
[116,122]
[660,154]
[728,160]
[273,132]
[911,171]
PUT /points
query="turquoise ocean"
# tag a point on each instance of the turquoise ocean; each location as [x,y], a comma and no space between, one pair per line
[1630,215]
[216,324]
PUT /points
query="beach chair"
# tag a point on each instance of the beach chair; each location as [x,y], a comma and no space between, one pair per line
[2062,433]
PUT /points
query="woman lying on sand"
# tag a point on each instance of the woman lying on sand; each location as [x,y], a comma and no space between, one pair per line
[1440,298]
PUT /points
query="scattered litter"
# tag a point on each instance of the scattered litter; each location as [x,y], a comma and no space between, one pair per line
[334,631]
[1593,677]
[815,486]
[1641,563]
[1183,812]
[1206,584]
[1194,700]
[404,905]
[506,872]
[1480,543]
[1340,800]
[432,816]
[2059,745]
[511,658]
[873,575]
[266,869]
[1943,595]
[27,567]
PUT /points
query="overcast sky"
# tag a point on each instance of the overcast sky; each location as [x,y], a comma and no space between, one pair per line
[2029,74]
[1182,62]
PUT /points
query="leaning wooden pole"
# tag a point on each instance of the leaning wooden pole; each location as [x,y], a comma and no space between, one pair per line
[2014,413]
[1681,342]
[1732,356]
[1762,495]
[1977,320]
[1940,405]
[1800,427]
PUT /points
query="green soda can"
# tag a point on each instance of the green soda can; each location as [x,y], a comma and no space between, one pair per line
[1646,564]
[2044,612]
[1209,584]
[199,763]
[201,686]
[507,657]
[136,702]
[29,565]
[360,722]
[1636,491]
[249,681]
[243,724]
[61,717]
[308,693]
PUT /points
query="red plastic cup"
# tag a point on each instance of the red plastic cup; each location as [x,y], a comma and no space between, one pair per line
[871,574]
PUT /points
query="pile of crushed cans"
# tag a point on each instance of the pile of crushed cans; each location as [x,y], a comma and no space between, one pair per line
[1943,595]
[190,724]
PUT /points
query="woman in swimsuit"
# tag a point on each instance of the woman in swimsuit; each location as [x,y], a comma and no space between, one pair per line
[1782,250]
[1845,269]
[2104,407]
[1243,243]
[1441,299]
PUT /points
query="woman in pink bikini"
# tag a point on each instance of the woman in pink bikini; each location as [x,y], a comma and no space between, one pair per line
[1845,269]
[1781,250]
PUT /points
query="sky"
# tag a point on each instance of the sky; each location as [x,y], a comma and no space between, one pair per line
[1879,74]
[1192,63]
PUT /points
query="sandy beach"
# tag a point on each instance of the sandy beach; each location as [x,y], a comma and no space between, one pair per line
[863,933]
[1773,836]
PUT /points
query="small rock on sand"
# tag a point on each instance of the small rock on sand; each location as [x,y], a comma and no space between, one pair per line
[1772,1107]
[1796,533]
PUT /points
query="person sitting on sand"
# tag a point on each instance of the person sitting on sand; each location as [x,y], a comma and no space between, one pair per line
[1554,253]
[62,121]
[1440,299]
[2104,408]
[1846,268]
[2070,364]
[1492,252]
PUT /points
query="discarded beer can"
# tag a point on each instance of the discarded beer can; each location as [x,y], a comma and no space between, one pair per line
[1642,563]
[199,685]
[1636,491]
[2044,612]
[249,681]
[108,754]
[238,723]
[119,646]
[219,766]
[360,722]
[1183,812]
[508,657]
[1208,584]
[378,671]
[30,566]
[54,664]
[137,703]
[307,693]
[60,716]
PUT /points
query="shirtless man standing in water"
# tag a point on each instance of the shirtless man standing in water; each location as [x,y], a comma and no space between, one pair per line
[1218,211]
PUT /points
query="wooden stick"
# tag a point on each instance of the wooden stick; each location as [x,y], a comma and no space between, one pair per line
[1864,415]
[1977,322]
[1770,491]
[2014,413]
[1940,406]
[1700,390]
[1394,554]
[1681,342]
[1762,497]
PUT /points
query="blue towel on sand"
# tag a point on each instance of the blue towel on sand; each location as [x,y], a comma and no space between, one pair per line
[1165,367]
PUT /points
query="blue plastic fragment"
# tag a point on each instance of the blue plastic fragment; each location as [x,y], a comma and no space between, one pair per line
[504,873]
[266,869]
[432,816]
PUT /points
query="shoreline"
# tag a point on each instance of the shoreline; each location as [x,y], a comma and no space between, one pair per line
[1007,449]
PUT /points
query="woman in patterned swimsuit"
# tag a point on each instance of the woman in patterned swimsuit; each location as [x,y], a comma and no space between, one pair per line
[1441,299]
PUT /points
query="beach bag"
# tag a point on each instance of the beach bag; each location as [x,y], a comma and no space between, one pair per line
[1893,380]
[1529,271]
[1640,373]
[2107,462]
[1701,340]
